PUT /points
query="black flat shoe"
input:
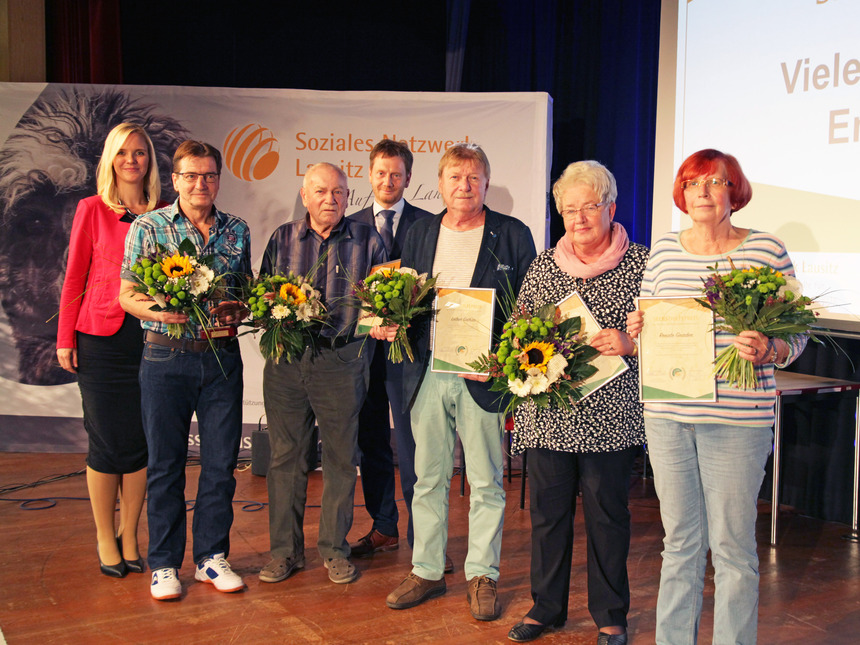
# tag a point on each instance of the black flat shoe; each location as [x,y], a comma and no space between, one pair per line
[611,639]
[119,570]
[135,566]
[525,632]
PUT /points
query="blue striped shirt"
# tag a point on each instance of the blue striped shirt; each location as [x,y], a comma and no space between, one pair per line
[350,250]
[229,243]
[672,271]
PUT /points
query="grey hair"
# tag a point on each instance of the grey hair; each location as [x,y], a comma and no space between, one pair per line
[591,173]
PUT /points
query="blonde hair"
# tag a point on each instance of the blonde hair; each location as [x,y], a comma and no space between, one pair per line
[106,178]
[463,152]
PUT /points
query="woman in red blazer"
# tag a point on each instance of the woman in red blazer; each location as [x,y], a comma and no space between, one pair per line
[102,344]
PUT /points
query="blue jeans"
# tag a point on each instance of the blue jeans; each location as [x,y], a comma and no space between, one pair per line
[442,408]
[174,385]
[708,477]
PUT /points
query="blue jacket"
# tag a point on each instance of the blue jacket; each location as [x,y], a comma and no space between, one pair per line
[507,250]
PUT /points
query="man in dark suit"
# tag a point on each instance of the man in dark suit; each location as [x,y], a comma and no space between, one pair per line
[467,245]
[390,172]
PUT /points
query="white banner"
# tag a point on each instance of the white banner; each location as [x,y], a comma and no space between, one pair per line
[268,139]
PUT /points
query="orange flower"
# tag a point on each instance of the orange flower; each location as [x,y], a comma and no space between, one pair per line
[177,265]
[292,293]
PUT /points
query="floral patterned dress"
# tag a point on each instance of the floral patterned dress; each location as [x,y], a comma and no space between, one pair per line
[609,419]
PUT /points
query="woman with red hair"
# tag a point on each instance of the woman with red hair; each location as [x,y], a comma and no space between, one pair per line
[709,457]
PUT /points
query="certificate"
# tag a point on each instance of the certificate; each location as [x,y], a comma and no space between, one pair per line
[608,367]
[463,329]
[366,320]
[676,351]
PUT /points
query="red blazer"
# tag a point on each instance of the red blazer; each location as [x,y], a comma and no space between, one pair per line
[88,302]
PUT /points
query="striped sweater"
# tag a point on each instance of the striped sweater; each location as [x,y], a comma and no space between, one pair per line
[672,271]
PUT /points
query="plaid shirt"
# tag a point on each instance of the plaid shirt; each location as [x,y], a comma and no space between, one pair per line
[229,243]
[350,250]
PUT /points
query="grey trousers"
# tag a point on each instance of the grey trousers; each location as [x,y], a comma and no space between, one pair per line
[328,386]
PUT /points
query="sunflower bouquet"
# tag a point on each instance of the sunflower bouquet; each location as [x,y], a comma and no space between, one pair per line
[179,281]
[288,309]
[396,296]
[755,299]
[540,358]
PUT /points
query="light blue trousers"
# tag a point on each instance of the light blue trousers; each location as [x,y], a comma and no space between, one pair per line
[442,408]
[708,477]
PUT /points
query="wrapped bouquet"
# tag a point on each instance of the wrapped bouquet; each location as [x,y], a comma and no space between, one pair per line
[288,309]
[540,358]
[396,296]
[178,281]
[756,299]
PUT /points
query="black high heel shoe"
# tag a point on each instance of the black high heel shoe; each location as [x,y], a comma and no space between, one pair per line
[119,570]
[135,566]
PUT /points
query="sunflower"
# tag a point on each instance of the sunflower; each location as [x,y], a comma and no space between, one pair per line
[177,265]
[537,355]
[292,293]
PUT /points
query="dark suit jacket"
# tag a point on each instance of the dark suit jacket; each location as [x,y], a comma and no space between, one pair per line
[507,250]
[410,215]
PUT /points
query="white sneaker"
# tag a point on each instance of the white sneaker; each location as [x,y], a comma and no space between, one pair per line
[165,584]
[216,571]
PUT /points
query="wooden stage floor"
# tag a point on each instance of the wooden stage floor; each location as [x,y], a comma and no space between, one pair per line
[51,591]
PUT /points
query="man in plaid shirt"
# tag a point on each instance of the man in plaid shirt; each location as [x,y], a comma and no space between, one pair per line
[191,374]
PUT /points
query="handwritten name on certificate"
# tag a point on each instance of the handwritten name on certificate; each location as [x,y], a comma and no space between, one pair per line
[608,367]
[463,329]
[676,351]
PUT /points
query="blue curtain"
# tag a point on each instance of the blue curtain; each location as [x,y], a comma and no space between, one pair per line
[597,59]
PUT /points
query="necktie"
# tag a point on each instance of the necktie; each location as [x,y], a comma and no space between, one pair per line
[387,230]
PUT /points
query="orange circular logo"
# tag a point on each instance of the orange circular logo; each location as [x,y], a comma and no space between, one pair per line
[251,152]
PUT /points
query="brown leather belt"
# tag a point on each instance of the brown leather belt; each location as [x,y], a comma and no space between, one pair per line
[186,344]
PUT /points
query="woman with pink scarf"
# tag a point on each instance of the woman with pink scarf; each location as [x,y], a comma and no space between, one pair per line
[591,447]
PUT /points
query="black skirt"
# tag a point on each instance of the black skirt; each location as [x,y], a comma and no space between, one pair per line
[108,369]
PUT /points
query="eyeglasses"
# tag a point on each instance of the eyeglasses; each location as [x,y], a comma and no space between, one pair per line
[713,183]
[191,177]
[588,209]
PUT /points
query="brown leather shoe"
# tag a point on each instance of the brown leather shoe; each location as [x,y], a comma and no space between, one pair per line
[414,590]
[483,601]
[374,542]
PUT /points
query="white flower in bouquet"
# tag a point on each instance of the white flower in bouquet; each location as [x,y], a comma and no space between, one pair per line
[519,388]
[201,280]
[280,312]
[305,312]
[538,381]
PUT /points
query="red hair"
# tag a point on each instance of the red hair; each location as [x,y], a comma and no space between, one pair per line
[705,163]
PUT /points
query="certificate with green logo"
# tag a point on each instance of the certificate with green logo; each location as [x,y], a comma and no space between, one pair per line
[463,328]
[608,367]
[676,351]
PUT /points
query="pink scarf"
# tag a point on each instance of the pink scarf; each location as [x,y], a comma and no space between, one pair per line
[565,256]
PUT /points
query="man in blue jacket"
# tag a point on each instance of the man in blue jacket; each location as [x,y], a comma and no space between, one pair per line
[468,245]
